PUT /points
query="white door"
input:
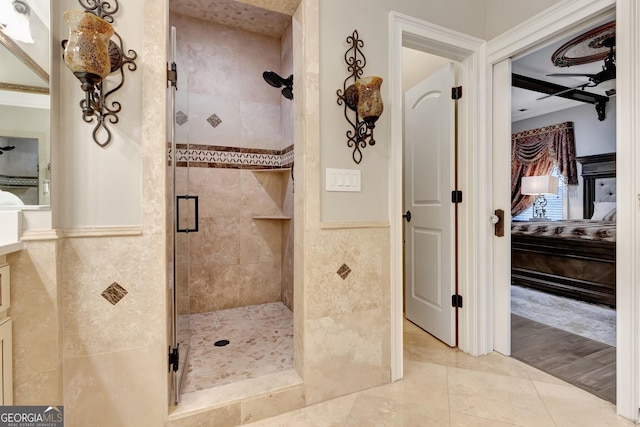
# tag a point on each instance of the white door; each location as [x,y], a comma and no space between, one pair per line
[429,165]
[501,169]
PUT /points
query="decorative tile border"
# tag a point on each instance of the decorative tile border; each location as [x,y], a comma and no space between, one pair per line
[213,156]
[18,181]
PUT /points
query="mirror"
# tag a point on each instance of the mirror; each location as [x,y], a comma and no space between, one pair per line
[20,167]
[25,54]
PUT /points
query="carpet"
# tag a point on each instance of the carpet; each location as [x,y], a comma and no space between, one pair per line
[588,320]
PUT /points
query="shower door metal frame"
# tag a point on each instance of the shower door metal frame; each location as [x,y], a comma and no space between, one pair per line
[176,360]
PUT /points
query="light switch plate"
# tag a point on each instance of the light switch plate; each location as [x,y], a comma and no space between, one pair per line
[343,180]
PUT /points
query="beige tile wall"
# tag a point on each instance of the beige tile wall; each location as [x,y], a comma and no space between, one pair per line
[286,61]
[113,354]
[224,72]
[35,310]
[236,260]
[347,335]
[342,327]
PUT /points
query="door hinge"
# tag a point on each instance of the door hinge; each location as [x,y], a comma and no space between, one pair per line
[456,196]
[456,301]
[172,75]
[174,358]
[456,92]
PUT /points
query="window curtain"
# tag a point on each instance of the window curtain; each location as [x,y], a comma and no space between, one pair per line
[535,152]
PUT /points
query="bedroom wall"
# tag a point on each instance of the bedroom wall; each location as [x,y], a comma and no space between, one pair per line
[592,137]
[505,14]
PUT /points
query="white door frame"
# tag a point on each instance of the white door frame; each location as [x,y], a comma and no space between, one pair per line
[543,27]
[430,237]
[473,326]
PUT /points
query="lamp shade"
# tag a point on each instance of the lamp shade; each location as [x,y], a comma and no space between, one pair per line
[539,185]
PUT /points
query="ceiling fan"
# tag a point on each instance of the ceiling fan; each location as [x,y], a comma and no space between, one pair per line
[6,148]
[608,71]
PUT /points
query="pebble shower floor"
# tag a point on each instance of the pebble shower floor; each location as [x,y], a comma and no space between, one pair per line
[260,343]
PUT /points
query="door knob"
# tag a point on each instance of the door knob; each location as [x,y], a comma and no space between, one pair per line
[497,219]
[407,216]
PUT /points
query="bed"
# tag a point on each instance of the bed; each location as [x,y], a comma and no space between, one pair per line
[574,258]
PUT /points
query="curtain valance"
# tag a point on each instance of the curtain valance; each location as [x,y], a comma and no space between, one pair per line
[535,152]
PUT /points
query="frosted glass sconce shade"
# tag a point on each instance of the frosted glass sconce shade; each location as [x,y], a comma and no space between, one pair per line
[87,50]
[370,104]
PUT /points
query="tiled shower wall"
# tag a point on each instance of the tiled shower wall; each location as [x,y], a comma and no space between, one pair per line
[234,123]
[287,119]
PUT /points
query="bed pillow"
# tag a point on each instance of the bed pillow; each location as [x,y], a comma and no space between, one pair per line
[611,216]
[600,209]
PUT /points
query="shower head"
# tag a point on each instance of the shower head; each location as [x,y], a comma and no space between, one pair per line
[287,92]
[276,81]
[272,78]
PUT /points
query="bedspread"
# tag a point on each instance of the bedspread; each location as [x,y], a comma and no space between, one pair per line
[570,229]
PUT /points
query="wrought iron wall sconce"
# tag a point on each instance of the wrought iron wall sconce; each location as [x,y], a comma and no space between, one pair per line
[362,97]
[92,56]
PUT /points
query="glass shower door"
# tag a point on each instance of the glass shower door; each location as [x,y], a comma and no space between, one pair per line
[182,216]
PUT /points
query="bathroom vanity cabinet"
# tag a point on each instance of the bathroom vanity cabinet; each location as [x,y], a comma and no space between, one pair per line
[6,346]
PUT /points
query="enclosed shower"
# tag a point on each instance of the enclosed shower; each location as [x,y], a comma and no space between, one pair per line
[231,184]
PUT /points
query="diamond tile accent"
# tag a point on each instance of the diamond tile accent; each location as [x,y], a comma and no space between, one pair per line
[181,118]
[344,271]
[214,120]
[114,293]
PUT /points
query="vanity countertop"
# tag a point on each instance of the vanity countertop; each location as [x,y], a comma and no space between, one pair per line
[10,232]
[9,247]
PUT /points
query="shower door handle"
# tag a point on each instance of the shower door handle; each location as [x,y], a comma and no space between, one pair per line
[195,211]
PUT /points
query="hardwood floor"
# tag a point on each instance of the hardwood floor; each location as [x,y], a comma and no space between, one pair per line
[583,362]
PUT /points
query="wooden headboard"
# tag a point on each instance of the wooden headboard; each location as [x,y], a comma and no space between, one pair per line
[598,179]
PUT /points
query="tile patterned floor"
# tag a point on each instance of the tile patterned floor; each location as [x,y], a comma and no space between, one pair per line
[446,387]
[260,343]
[583,362]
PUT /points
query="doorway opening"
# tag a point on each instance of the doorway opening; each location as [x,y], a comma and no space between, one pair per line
[430,176]
[467,51]
[563,284]
[231,182]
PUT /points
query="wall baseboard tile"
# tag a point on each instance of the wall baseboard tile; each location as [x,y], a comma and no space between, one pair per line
[353,224]
[101,232]
[40,235]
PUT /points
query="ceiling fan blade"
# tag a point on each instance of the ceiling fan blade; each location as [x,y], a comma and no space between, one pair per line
[571,75]
[569,89]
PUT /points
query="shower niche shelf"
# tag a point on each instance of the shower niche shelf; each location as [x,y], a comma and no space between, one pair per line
[276,217]
[272,217]
[279,170]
